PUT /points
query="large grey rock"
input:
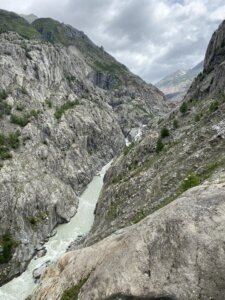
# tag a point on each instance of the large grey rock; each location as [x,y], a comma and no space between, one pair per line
[39,271]
[175,253]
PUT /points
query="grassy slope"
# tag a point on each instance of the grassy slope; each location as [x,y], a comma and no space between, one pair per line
[10,21]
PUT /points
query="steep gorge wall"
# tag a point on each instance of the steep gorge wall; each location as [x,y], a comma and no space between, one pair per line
[58,126]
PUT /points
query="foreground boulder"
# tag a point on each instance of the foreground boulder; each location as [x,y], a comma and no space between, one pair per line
[177,252]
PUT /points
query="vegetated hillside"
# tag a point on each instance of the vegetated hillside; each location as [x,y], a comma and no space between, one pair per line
[176,85]
[61,120]
[175,176]
[10,21]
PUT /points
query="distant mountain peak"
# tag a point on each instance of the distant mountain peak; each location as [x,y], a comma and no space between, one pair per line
[176,85]
[29,18]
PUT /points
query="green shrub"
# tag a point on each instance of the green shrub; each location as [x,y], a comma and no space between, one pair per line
[73,292]
[5,109]
[13,139]
[2,139]
[8,142]
[197,118]
[190,181]
[175,124]
[7,243]
[164,132]
[49,103]
[214,106]
[33,113]
[67,105]
[159,145]
[32,220]
[184,108]
[3,95]
[5,153]
[19,120]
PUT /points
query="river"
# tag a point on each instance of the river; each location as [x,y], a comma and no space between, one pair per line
[19,288]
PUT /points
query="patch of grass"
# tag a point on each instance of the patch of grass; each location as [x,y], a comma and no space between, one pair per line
[138,216]
[33,113]
[111,67]
[159,145]
[3,95]
[5,109]
[23,120]
[73,292]
[197,118]
[7,142]
[13,140]
[49,103]
[117,179]
[5,153]
[63,108]
[214,106]
[175,124]
[8,244]
[19,120]
[127,149]
[190,181]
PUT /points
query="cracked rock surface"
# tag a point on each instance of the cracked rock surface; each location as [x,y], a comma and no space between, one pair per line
[176,253]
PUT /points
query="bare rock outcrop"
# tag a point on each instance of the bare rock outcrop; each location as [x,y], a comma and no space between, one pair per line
[175,253]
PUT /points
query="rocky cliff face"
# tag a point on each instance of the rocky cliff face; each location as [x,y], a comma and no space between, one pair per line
[61,120]
[175,253]
[211,80]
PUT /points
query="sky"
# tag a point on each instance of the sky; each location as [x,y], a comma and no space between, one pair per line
[153,38]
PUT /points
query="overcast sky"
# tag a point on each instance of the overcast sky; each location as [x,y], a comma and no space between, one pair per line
[152,37]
